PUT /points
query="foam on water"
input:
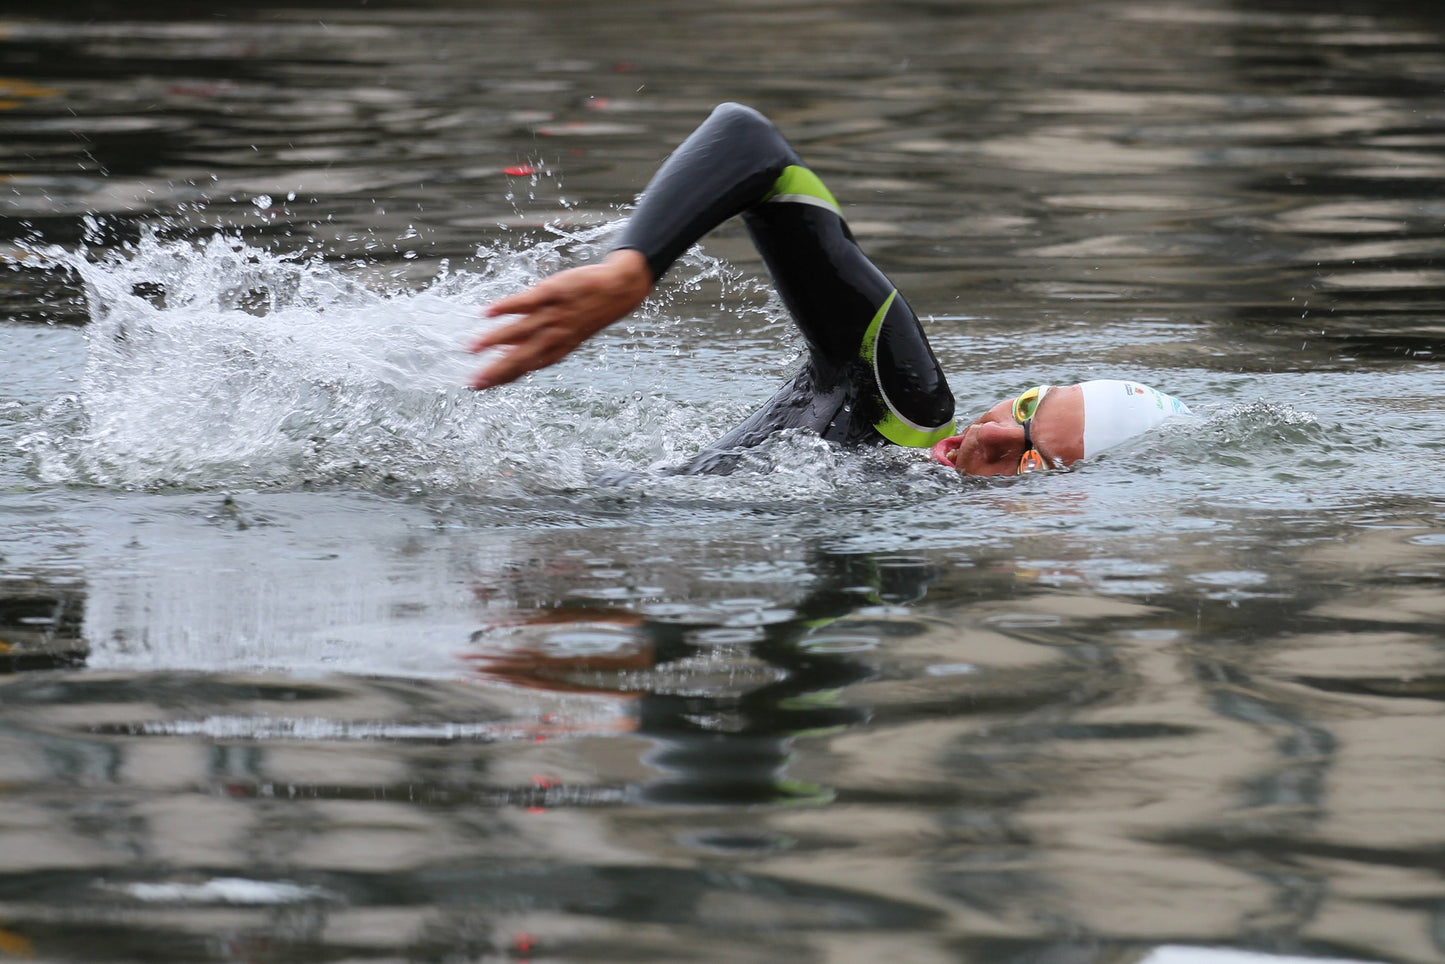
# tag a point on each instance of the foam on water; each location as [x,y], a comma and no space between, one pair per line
[215,364]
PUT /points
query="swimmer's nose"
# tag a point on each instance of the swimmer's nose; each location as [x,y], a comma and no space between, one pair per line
[999,441]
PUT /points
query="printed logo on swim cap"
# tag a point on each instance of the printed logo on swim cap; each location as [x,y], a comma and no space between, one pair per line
[1116,411]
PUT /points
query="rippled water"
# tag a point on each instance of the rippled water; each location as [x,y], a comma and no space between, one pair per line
[311,654]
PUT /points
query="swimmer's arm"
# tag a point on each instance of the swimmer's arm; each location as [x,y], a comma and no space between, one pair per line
[559,313]
[726,166]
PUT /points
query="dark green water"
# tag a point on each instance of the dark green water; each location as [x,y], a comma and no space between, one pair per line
[309,654]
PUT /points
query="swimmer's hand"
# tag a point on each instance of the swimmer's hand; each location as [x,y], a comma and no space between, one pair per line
[560,313]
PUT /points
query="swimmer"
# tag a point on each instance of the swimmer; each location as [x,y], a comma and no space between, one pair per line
[869,375]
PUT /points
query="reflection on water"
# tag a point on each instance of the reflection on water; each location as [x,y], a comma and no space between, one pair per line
[311,654]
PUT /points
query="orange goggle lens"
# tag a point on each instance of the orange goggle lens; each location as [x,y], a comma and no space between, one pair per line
[1023,409]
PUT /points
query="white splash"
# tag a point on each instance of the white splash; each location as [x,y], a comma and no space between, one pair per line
[216,363]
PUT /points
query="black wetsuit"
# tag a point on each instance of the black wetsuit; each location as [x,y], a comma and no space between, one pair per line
[869,374]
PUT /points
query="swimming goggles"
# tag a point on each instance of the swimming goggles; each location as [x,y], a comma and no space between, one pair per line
[1025,406]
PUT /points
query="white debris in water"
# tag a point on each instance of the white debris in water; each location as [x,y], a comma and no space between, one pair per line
[220,890]
[268,728]
[951,669]
[1179,954]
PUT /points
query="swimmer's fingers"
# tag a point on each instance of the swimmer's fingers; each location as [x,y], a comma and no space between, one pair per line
[551,324]
[521,328]
[536,341]
[558,314]
[525,302]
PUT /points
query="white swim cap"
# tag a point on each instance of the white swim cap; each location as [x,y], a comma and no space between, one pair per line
[1116,411]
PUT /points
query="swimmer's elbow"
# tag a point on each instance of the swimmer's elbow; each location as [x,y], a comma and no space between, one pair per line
[740,117]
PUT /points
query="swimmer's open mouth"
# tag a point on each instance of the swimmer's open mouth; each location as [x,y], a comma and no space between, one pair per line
[942,451]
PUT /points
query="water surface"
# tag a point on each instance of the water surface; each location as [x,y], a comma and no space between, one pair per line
[312,654]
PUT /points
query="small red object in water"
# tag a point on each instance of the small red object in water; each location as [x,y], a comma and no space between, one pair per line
[520,170]
[522,941]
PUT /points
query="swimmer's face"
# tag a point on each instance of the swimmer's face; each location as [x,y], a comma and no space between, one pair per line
[994,443]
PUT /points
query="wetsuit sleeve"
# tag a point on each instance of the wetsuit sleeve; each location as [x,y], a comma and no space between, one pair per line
[870,371]
[728,165]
